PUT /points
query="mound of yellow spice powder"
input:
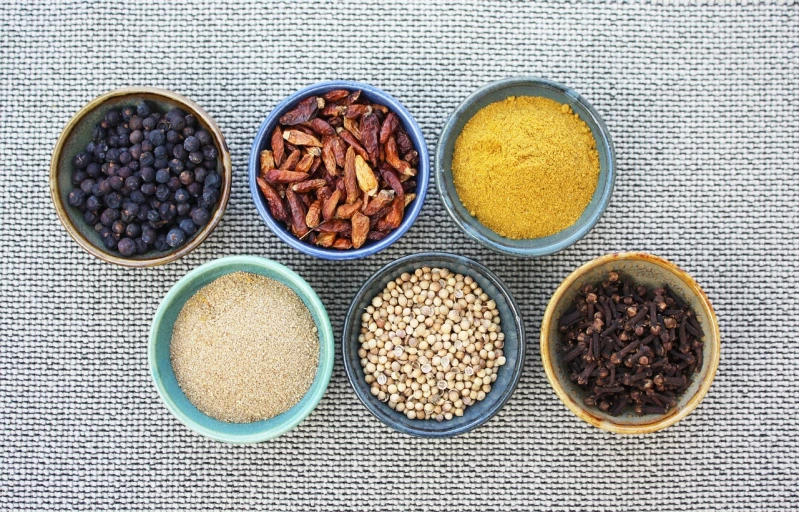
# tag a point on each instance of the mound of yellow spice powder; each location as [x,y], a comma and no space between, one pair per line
[526,167]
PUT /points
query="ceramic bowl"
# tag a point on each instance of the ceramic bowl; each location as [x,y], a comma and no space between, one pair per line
[650,271]
[161,364]
[374,95]
[508,375]
[78,132]
[498,91]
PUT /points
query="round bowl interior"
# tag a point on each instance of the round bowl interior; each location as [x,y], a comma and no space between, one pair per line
[498,91]
[161,364]
[374,95]
[650,271]
[508,375]
[78,133]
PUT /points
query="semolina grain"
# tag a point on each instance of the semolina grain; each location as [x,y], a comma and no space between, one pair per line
[244,348]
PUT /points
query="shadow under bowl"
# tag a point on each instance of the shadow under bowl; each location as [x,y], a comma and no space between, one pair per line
[161,364]
[374,95]
[650,271]
[507,377]
[78,132]
[496,92]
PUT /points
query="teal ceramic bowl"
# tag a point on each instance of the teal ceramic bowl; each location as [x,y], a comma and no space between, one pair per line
[161,364]
[498,91]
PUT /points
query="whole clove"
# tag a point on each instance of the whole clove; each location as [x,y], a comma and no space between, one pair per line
[631,348]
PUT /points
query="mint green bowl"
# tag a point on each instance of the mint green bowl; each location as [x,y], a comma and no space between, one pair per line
[161,364]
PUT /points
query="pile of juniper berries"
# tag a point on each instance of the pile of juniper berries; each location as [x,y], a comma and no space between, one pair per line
[146,180]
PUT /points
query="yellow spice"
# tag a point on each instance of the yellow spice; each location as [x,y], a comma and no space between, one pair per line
[526,167]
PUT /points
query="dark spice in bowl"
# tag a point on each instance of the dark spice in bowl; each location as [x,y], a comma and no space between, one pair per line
[339,170]
[146,180]
[631,346]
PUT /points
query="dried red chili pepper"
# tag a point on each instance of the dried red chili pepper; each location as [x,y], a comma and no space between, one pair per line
[336,95]
[345,211]
[303,187]
[321,127]
[370,134]
[383,199]
[403,141]
[393,181]
[329,206]
[291,161]
[303,112]
[278,148]
[342,244]
[329,157]
[297,211]
[335,226]
[339,150]
[360,229]
[273,199]
[325,239]
[299,138]
[305,163]
[354,144]
[390,124]
[312,218]
[278,176]
[350,177]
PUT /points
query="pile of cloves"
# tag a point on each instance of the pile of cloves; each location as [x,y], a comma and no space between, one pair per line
[339,170]
[628,345]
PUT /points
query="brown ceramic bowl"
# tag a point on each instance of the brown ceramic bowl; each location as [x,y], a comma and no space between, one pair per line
[77,134]
[649,271]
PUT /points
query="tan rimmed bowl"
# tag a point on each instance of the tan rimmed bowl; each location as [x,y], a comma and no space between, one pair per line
[78,132]
[650,271]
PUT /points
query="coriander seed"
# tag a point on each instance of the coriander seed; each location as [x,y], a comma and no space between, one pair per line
[431,344]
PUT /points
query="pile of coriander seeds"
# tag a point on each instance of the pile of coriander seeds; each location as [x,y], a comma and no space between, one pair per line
[431,344]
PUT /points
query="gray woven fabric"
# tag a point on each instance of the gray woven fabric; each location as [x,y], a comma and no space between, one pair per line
[703,104]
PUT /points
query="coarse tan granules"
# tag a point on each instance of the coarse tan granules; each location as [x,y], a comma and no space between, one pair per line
[244,348]
[526,167]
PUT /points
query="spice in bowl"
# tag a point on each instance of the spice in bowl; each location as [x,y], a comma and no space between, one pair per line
[526,167]
[244,348]
[339,170]
[146,180]
[431,344]
[631,347]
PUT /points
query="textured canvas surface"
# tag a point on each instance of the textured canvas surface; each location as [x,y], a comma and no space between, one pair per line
[702,100]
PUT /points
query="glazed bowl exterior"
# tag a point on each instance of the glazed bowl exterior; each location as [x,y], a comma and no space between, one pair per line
[508,374]
[161,364]
[650,271]
[498,91]
[78,132]
[374,95]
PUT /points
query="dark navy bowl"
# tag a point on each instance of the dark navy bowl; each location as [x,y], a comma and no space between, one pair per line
[507,376]
[374,95]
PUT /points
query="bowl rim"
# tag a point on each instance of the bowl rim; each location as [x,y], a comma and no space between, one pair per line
[370,402]
[713,338]
[326,339]
[448,196]
[202,234]
[422,176]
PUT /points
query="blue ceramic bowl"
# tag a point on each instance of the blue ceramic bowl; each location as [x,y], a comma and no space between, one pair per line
[508,375]
[161,364]
[375,95]
[498,91]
